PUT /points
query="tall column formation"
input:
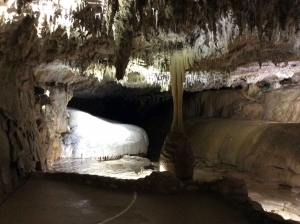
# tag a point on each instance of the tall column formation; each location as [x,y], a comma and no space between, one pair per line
[177,154]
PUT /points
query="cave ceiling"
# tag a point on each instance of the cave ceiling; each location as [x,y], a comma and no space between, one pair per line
[86,43]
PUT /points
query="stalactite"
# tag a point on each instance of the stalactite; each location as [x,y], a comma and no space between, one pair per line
[124,28]
[180,62]
[111,9]
[20,4]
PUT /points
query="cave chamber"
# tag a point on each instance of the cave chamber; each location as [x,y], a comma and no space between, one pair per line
[207,92]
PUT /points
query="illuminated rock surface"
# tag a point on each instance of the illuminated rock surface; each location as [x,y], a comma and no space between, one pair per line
[93,137]
[273,198]
[128,167]
[270,150]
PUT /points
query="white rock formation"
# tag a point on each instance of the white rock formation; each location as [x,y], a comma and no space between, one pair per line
[93,137]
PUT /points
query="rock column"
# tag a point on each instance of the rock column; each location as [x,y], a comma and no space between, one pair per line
[177,154]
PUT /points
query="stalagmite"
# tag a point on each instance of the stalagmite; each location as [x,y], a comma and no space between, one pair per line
[177,155]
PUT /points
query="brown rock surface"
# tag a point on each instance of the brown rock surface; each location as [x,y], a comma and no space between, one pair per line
[270,150]
[177,156]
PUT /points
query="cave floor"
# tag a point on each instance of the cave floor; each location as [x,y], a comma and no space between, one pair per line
[127,167]
[273,198]
[52,201]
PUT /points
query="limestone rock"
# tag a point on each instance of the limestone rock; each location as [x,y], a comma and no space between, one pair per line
[270,150]
[177,156]
[222,103]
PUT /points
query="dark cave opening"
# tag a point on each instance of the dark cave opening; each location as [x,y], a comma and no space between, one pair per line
[149,109]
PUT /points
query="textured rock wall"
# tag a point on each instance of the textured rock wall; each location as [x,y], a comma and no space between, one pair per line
[31,124]
[22,130]
[222,103]
[281,105]
[270,150]
[26,139]
[55,113]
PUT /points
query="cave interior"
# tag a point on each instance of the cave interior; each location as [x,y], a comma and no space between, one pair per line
[238,82]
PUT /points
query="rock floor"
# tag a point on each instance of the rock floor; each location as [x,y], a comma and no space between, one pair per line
[53,202]
[273,198]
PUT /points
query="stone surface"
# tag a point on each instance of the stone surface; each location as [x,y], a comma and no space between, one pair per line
[237,186]
[222,103]
[23,130]
[283,105]
[268,149]
[93,137]
[177,156]
[128,167]
[55,202]
[258,200]
[265,103]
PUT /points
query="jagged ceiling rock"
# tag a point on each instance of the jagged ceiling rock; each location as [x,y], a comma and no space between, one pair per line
[133,40]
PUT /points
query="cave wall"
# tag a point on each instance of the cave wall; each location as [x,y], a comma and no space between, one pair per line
[226,103]
[136,106]
[26,137]
[23,129]
[280,105]
[31,125]
[56,118]
[269,150]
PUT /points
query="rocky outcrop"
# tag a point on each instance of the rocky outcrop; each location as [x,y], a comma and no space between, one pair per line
[26,140]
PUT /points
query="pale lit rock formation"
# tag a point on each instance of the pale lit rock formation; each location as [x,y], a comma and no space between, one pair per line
[93,137]
[268,149]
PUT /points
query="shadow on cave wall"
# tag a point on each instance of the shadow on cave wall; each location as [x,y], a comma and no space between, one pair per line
[126,105]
